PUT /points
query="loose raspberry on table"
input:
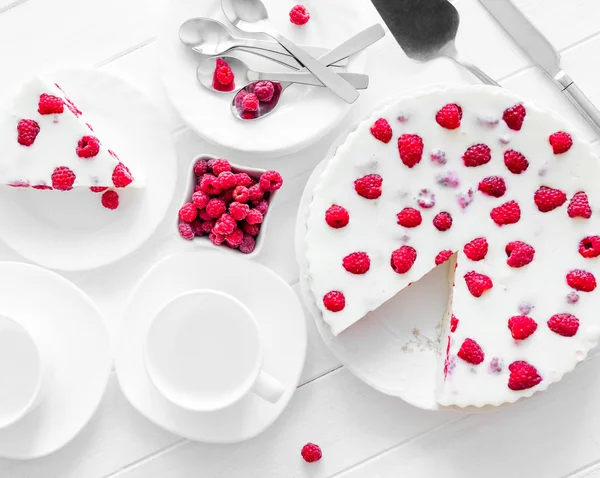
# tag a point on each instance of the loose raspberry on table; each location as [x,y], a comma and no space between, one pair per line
[334,301]
[216,239]
[337,216]
[507,213]
[311,452]
[403,259]
[235,238]
[521,326]
[560,141]
[477,155]
[243,179]
[224,225]
[219,166]
[27,131]
[579,206]
[63,178]
[98,189]
[250,229]
[188,212]
[522,376]
[410,147]
[210,185]
[299,15]
[564,324]
[357,263]
[515,161]
[264,91]
[121,176]
[216,207]
[50,105]
[453,323]
[443,256]
[369,186]
[589,247]
[248,244]
[238,211]
[270,181]
[227,180]
[519,254]
[409,217]
[442,221]
[200,199]
[581,280]
[200,167]
[477,249]
[493,186]
[449,116]
[261,206]
[254,217]
[477,283]
[547,199]
[250,103]
[110,200]
[514,116]
[88,147]
[185,231]
[471,352]
[382,130]
[241,194]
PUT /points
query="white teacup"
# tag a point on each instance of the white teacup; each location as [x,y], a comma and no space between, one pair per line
[21,372]
[203,352]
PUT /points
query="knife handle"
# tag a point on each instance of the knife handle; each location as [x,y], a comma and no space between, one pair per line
[579,100]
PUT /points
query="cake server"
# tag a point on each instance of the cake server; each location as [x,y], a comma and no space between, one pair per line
[425,30]
[541,51]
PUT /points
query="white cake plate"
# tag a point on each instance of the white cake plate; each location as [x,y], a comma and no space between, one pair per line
[283,329]
[70,331]
[71,230]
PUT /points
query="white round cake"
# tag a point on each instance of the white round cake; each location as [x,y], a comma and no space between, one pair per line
[478,176]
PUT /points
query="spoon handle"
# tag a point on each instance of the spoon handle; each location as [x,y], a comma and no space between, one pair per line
[282,58]
[277,49]
[357,80]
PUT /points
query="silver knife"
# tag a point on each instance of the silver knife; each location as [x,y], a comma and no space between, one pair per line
[541,51]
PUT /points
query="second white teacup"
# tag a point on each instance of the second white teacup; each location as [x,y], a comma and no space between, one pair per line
[203,352]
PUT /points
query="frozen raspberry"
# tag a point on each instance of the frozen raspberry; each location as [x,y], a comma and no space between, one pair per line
[442,221]
[311,452]
[88,147]
[238,211]
[254,217]
[186,231]
[590,247]
[572,297]
[453,324]
[561,142]
[507,213]
[409,217]
[235,238]
[410,147]
[63,178]
[382,130]
[334,301]
[438,156]
[250,229]
[240,194]
[337,216]
[27,131]
[564,324]
[242,179]
[50,105]
[477,155]
[477,283]
[250,103]
[448,180]
[519,254]
[216,239]
[121,177]
[369,186]
[188,212]
[255,193]
[581,280]
[471,352]
[449,116]
[426,199]
[224,225]
[227,180]
[477,249]
[200,199]
[357,263]
[271,181]
[219,166]
[521,326]
[548,199]
[210,185]
[216,207]
[579,206]
[403,259]
[98,189]
[515,161]
[247,245]
[492,186]
[514,116]
[200,167]
[261,206]
[202,214]
[442,257]
[522,376]
[299,15]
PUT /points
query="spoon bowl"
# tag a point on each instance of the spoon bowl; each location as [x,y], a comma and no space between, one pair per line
[247,15]
[264,108]
[206,73]
[206,36]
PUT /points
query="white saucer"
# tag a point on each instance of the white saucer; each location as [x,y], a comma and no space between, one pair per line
[305,114]
[69,329]
[283,329]
[72,231]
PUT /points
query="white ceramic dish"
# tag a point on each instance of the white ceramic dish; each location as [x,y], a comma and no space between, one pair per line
[305,113]
[283,330]
[204,241]
[69,330]
[71,230]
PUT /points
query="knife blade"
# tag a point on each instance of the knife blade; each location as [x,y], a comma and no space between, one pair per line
[541,51]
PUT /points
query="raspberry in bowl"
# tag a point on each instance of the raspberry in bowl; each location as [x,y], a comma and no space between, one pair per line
[227,205]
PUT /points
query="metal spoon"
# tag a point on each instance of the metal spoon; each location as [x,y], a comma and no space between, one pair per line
[242,73]
[212,38]
[252,16]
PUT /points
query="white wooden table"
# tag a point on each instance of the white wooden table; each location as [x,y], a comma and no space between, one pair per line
[362,432]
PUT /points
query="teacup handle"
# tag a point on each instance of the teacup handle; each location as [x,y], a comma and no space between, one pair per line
[268,388]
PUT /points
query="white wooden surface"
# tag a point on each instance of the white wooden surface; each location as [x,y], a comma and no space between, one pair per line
[362,433]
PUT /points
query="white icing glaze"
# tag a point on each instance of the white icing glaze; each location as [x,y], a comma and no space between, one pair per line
[540,286]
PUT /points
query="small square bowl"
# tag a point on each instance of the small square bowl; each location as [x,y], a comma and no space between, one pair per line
[204,241]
